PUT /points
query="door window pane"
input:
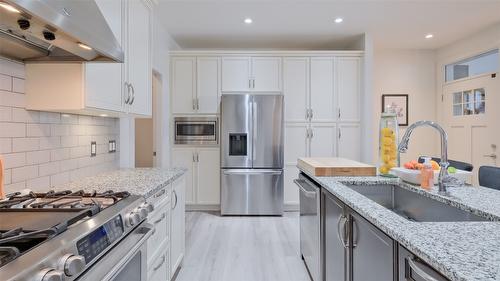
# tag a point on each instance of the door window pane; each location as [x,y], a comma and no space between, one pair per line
[470,102]
[457,109]
[479,94]
[484,63]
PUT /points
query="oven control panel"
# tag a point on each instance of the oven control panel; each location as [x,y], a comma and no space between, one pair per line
[96,242]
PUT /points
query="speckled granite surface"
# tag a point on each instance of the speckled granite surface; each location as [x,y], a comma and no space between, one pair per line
[140,181]
[459,250]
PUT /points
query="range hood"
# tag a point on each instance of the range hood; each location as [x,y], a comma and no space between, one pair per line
[56,30]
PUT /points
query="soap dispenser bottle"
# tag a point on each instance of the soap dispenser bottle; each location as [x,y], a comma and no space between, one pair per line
[427,174]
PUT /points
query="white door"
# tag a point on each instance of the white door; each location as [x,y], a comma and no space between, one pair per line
[208,176]
[323,104]
[470,117]
[139,62]
[349,141]
[183,85]
[266,74]
[296,88]
[323,142]
[104,81]
[178,233]
[348,80]
[208,85]
[185,157]
[236,74]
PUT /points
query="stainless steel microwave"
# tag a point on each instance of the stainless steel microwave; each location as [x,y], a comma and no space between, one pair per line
[196,130]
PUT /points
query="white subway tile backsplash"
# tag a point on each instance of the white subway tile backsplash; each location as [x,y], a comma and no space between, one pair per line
[12,99]
[38,130]
[37,157]
[24,173]
[12,130]
[14,160]
[17,85]
[25,144]
[5,82]
[5,145]
[44,149]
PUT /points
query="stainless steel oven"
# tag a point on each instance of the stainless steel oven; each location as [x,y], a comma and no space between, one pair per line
[196,130]
[126,261]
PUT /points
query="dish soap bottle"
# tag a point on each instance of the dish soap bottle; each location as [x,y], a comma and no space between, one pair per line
[388,141]
[427,174]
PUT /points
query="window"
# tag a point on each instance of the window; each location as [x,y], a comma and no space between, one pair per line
[484,63]
[471,102]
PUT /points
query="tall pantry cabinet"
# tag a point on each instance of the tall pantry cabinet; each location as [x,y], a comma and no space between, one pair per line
[322,111]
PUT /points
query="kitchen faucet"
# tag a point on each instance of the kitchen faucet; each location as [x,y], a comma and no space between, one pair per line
[403,147]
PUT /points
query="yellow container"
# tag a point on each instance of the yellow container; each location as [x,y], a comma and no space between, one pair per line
[388,142]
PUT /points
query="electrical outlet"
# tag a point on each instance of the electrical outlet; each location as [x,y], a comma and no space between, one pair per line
[93,149]
[112,146]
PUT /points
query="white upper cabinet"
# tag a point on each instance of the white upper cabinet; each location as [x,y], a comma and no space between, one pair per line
[139,69]
[183,85]
[208,84]
[322,90]
[348,79]
[92,88]
[296,88]
[251,74]
[195,85]
[236,74]
[266,74]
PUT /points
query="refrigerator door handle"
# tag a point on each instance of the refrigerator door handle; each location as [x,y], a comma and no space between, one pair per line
[254,128]
[252,172]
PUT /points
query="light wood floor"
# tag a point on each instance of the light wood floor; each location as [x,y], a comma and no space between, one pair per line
[242,248]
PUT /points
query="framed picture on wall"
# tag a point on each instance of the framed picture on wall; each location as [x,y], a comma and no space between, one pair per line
[399,103]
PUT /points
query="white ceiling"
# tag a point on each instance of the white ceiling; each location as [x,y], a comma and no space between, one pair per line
[308,24]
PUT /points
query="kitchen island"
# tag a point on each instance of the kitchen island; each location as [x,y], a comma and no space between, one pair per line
[458,250]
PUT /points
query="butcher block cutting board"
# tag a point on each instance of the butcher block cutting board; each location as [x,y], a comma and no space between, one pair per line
[335,167]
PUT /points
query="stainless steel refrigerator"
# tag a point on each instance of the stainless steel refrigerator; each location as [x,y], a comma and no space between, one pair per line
[251,154]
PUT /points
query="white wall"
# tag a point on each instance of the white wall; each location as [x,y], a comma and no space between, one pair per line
[411,72]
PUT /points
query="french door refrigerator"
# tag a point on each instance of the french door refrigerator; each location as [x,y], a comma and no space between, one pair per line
[251,154]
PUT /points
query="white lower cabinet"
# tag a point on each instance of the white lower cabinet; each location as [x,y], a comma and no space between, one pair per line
[202,178]
[177,226]
[158,271]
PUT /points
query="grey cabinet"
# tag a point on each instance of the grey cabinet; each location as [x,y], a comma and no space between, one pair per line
[335,221]
[372,251]
[411,268]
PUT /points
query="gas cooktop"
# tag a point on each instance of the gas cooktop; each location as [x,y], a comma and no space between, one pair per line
[27,220]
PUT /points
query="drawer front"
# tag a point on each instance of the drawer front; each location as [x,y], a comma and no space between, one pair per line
[159,197]
[161,233]
[158,269]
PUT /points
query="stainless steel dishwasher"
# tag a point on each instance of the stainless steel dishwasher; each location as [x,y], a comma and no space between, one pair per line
[412,268]
[310,226]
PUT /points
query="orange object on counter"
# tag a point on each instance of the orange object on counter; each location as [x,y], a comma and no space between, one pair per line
[2,190]
[427,174]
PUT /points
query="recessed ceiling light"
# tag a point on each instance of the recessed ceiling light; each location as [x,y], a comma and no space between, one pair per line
[83,46]
[339,20]
[429,36]
[248,21]
[9,8]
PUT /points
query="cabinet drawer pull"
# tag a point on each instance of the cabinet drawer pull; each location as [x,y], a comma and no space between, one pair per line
[175,195]
[159,194]
[163,216]
[163,258]
[133,94]
[127,98]
[412,264]
[341,230]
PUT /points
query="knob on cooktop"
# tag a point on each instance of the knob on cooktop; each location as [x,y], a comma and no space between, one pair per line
[143,212]
[50,274]
[72,264]
[148,207]
[132,219]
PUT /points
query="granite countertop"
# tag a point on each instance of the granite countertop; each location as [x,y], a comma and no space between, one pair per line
[139,181]
[461,251]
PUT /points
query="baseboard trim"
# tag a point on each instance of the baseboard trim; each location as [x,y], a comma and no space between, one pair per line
[216,208]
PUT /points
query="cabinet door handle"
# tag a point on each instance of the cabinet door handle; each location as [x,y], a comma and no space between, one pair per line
[160,193]
[307,133]
[127,98]
[340,133]
[163,258]
[312,114]
[175,195]
[354,233]
[249,83]
[197,104]
[312,133]
[194,104]
[413,266]
[133,94]
[341,230]
[253,83]
[339,112]
[163,216]
[194,157]
[307,113]
[197,157]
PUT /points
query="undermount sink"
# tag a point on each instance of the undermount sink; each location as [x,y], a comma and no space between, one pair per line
[412,205]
